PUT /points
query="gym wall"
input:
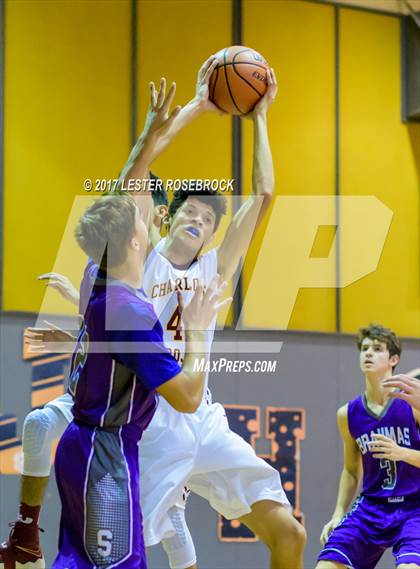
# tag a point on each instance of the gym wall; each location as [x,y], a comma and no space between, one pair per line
[335,129]
[67,117]
[72,103]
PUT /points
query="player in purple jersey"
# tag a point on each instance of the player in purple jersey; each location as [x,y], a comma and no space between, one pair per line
[43,426]
[119,364]
[381,440]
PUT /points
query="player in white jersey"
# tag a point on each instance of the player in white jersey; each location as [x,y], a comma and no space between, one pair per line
[216,463]
[199,449]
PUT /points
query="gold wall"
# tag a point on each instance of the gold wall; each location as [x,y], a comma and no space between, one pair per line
[68,117]
[380,156]
[297,39]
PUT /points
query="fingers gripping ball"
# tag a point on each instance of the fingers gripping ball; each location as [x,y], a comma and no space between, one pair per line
[239,80]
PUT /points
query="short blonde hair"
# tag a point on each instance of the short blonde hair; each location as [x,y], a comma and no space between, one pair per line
[105,229]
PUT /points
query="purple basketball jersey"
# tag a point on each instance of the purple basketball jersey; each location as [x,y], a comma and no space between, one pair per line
[120,358]
[382,478]
[86,286]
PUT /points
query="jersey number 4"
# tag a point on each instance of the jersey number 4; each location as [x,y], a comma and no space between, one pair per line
[174,324]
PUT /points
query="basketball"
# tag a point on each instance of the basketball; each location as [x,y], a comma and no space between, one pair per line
[239,80]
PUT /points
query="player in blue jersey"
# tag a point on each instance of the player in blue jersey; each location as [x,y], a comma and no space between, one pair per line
[381,440]
[119,364]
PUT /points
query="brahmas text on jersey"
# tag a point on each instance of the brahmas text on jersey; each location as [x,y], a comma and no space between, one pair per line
[383,478]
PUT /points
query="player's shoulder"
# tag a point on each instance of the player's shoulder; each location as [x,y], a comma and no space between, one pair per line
[138,307]
[354,403]
[128,309]
[208,263]
[343,422]
[342,412]
[210,255]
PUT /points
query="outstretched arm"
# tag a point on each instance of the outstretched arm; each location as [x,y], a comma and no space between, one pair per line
[63,285]
[46,340]
[158,123]
[249,216]
[198,105]
[350,475]
[159,131]
[144,152]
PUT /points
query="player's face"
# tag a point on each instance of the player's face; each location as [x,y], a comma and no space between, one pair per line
[194,224]
[374,357]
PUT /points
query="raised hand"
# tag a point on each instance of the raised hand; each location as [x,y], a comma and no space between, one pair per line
[158,119]
[62,284]
[204,305]
[269,96]
[202,86]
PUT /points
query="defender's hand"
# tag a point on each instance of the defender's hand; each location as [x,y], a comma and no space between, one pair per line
[204,305]
[38,339]
[62,284]
[158,119]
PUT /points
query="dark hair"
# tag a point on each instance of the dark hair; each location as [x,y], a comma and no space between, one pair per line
[159,195]
[105,229]
[382,334]
[210,197]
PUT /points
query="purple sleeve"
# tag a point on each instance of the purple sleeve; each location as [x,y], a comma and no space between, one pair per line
[137,343]
[86,285]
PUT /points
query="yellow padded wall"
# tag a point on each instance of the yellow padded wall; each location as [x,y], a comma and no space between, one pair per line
[297,39]
[67,116]
[379,157]
[175,46]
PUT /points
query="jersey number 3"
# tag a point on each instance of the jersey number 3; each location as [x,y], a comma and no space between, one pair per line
[391,471]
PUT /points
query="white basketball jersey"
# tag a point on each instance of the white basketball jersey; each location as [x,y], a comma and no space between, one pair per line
[162,281]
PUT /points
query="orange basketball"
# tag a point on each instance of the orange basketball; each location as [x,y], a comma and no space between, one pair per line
[239,80]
